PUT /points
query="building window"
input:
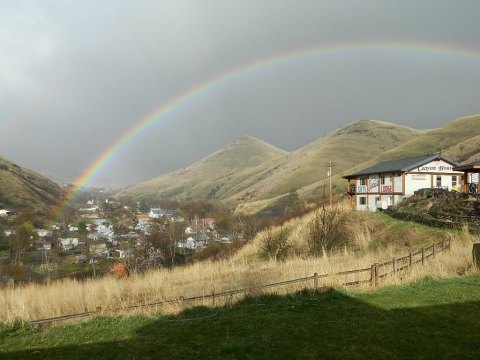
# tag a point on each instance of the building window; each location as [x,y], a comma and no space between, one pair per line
[362,200]
[454,180]
[363,181]
[385,180]
[438,181]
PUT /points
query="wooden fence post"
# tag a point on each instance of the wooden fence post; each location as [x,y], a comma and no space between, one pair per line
[373,270]
[476,255]
[394,261]
[213,297]
[376,274]
[443,244]
[423,256]
[433,250]
[315,281]
[410,259]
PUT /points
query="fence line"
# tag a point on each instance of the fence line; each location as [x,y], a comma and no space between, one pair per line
[375,270]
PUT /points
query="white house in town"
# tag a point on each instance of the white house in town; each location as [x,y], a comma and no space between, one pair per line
[156,213]
[389,182]
[5,213]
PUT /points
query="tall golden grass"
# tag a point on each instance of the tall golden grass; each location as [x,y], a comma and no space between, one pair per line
[245,270]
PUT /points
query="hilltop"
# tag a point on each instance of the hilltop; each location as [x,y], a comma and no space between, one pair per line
[210,177]
[22,188]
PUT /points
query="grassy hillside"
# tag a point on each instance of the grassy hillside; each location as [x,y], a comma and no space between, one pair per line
[346,147]
[21,188]
[250,169]
[450,134]
[430,319]
[466,151]
[210,177]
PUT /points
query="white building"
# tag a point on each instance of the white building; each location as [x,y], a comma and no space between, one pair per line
[157,213]
[389,182]
[69,243]
[5,213]
[44,233]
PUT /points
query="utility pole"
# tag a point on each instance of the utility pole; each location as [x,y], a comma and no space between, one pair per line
[330,165]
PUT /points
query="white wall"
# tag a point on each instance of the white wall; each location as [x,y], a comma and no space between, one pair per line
[413,182]
[398,183]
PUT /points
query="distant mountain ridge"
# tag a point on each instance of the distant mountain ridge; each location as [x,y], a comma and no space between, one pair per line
[251,174]
[21,189]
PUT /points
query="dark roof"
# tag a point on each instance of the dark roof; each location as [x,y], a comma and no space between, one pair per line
[400,165]
[469,166]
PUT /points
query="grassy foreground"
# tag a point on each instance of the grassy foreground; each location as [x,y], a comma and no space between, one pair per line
[430,319]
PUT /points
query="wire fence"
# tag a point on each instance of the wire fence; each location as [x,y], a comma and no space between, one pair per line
[370,275]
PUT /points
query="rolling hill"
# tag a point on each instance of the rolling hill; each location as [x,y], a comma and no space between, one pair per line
[21,188]
[211,177]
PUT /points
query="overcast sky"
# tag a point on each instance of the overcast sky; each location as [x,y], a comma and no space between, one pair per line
[77,75]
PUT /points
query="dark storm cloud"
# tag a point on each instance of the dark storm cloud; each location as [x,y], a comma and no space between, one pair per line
[75,76]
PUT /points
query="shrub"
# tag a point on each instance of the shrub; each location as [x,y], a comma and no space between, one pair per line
[120,271]
[275,244]
[328,230]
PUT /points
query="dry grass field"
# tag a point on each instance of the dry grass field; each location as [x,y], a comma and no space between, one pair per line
[376,238]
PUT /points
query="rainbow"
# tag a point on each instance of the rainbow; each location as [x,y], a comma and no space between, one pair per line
[183,99]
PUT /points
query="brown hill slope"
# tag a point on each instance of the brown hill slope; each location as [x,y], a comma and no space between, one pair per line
[21,188]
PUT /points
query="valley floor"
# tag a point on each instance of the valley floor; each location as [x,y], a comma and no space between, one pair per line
[430,319]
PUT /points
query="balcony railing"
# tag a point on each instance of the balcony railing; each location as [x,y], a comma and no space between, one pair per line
[362,189]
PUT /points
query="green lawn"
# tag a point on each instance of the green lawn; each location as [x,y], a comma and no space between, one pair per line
[430,319]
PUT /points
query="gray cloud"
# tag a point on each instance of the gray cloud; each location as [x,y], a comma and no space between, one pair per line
[75,76]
